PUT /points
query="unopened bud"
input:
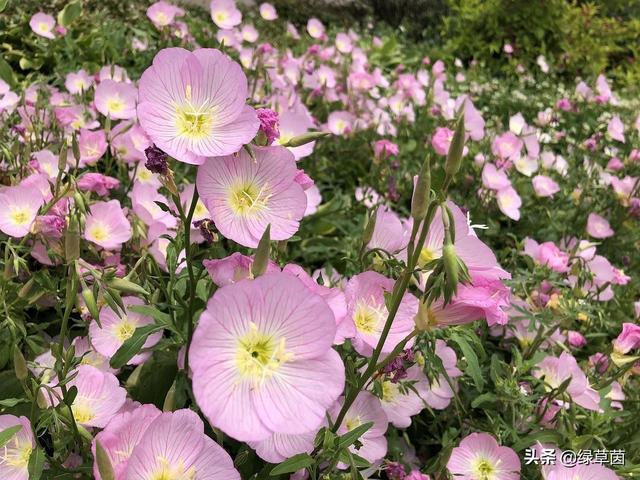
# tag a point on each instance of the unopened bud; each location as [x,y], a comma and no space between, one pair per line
[170,399]
[90,303]
[421,192]
[72,240]
[450,261]
[78,199]
[305,138]
[62,158]
[261,258]
[454,157]
[126,286]
[19,364]
[369,227]
[75,148]
[26,288]
[104,463]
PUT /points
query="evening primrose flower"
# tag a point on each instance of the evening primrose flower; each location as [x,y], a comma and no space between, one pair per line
[480,457]
[315,28]
[163,13]
[598,226]
[78,82]
[268,12]
[259,366]
[43,25]
[225,14]
[19,207]
[15,454]
[116,100]
[107,226]
[245,195]
[93,145]
[202,111]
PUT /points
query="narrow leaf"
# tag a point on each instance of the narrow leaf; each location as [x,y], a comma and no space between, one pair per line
[133,345]
[8,433]
[293,464]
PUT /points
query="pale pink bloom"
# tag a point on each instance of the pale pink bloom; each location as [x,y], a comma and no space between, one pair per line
[113,72]
[121,435]
[129,144]
[341,123]
[591,471]
[368,313]
[259,366]
[544,186]
[43,25]
[116,328]
[292,124]
[8,102]
[15,453]
[547,254]
[139,45]
[616,129]
[542,63]
[99,397]
[584,91]
[479,457]
[473,121]
[19,207]
[400,404]
[315,28]
[280,446]
[314,199]
[202,111]
[629,339]
[93,145]
[526,165]
[598,226]
[249,33]
[616,395]
[268,11]
[366,408]
[556,370]
[174,446]
[47,162]
[441,140]
[163,13]
[107,226]
[599,361]
[390,232]
[97,182]
[493,178]
[85,351]
[78,82]
[636,309]
[225,14]
[344,43]
[615,165]
[232,269]
[509,202]
[507,146]
[245,195]
[517,123]
[116,100]
[368,196]
[143,200]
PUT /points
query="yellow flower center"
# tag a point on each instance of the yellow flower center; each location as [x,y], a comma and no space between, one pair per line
[193,121]
[259,356]
[99,232]
[353,422]
[162,18]
[426,255]
[483,469]
[124,330]
[247,199]
[169,472]
[200,210]
[43,27]
[82,411]
[115,104]
[368,317]
[16,454]
[389,391]
[221,16]
[19,216]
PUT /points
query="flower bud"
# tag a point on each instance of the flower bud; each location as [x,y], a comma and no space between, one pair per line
[104,464]
[78,199]
[450,261]
[19,364]
[72,240]
[369,227]
[169,400]
[75,148]
[421,192]
[454,156]
[126,286]
[26,288]
[62,158]
[261,258]
[305,138]
[90,302]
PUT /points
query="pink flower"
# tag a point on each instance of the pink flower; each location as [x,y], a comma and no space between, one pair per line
[47,163]
[259,366]
[509,202]
[19,207]
[121,435]
[314,199]
[556,370]
[479,457]
[116,328]
[400,404]
[344,43]
[268,124]
[15,454]
[616,129]
[599,361]
[143,198]
[232,269]
[268,12]
[547,254]
[441,140]
[576,339]
[201,112]
[43,25]
[294,123]
[385,148]
[116,100]
[93,145]
[225,14]
[564,104]
[341,123]
[99,397]
[629,339]
[367,311]
[366,408]
[163,13]
[107,226]
[493,178]
[78,82]
[279,446]
[244,196]
[544,186]
[315,28]
[175,446]
[507,146]
[591,471]
[390,233]
[598,226]
[417,475]
[97,182]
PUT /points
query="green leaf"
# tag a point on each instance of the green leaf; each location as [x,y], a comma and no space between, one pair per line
[6,73]
[3,5]
[8,433]
[473,368]
[543,436]
[293,464]
[484,398]
[133,345]
[12,402]
[69,13]
[350,437]
[36,464]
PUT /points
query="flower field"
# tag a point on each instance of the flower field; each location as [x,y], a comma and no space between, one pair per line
[237,245]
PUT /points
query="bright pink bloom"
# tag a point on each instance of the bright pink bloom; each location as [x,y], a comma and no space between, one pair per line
[315,28]
[507,146]
[547,254]
[479,457]
[268,11]
[366,408]
[116,100]
[441,140]
[245,195]
[225,14]
[576,339]
[232,269]
[201,112]
[544,186]
[616,129]
[259,366]
[598,226]
[43,25]
[509,202]
[116,328]
[97,182]
[175,446]
[163,13]
[268,124]
[107,226]
[417,475]
[93,145]
[15,454]
[493,178]
[629,338]
[368,313]
[19,207]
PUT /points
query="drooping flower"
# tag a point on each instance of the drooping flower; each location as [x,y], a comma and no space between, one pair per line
[156,160]
[43,25]
[480,457]
[175,446]
[244,196]
[121,435]
[225,14]
[19,207]
[15,453]
[259,366]
[598,226]
[368,313]
[201,112]
[115,328]
[390,232]
[268,124]
[107,226]
[116,100]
